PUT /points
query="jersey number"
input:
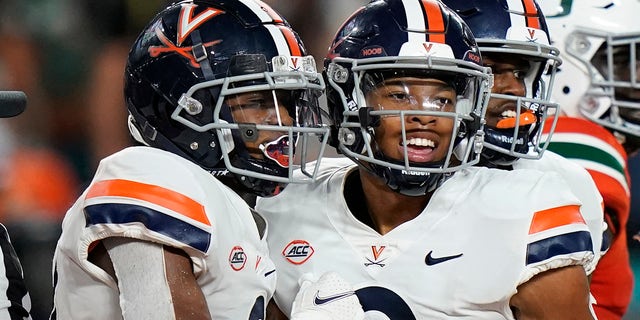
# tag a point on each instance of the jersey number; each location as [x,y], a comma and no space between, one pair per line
[382,300]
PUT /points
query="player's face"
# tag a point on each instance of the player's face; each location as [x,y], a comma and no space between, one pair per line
[623,70]
[428,136]
[509,74]
[263,108]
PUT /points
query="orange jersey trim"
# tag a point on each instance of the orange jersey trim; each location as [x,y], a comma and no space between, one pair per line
[150,193]
[555,217]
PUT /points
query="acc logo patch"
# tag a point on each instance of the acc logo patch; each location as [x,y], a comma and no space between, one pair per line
[298,251]
[237,258]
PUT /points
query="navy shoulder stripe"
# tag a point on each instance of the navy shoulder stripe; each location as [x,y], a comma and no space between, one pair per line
[119,213]
[579,241]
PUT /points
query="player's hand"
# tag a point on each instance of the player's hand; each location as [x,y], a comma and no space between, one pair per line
[329,298]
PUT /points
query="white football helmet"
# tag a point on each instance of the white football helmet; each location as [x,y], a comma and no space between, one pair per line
[600,77]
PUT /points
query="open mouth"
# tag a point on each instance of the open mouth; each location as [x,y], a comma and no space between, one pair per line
[419,149]
[277,150]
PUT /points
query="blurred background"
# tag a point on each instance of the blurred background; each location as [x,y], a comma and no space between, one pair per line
[68,56]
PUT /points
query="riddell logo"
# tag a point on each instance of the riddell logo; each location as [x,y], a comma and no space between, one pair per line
[237,258]
[298,251]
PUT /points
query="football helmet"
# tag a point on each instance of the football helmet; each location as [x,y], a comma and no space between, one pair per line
[600,78]
[518,30]
[227,85]
[389,39]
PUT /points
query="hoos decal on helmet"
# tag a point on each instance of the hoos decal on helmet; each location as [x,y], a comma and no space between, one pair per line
[227,85]
[517,35]
[417,63]
[600,77]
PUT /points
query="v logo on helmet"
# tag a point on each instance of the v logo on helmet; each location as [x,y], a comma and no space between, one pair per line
[532,35]
[188,22]
[294,63]
[428,46]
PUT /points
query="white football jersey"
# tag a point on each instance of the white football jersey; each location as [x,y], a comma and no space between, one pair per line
[483,234]
[583,187]
[153,195]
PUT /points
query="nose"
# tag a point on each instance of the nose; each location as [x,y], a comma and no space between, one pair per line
[421,119]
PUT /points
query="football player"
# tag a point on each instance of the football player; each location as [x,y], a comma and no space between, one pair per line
[598,89]
[217,91]
[515,45]
[411,224]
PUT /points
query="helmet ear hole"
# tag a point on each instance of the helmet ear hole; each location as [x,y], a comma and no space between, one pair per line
[462,129]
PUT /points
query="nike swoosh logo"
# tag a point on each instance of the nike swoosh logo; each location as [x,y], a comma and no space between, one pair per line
[430,260]
[322,300]
[270,272]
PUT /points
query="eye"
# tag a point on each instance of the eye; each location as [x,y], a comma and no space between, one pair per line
[520,74]
[399,96]
[443,102]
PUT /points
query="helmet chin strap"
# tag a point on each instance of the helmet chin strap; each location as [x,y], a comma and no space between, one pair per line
[405,183]
[260,187]
[408,183]
[275,163]
[502,136]
[412,184]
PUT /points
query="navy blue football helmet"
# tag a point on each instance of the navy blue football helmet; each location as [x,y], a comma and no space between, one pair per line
[200,70]
[405,38]
[514,29]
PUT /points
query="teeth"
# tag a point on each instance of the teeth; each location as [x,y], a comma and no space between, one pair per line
[421,142]
[509,114]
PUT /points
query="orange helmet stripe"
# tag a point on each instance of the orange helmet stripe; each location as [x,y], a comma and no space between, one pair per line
[435,28]
[294,48]
[277,18]
[531,13]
